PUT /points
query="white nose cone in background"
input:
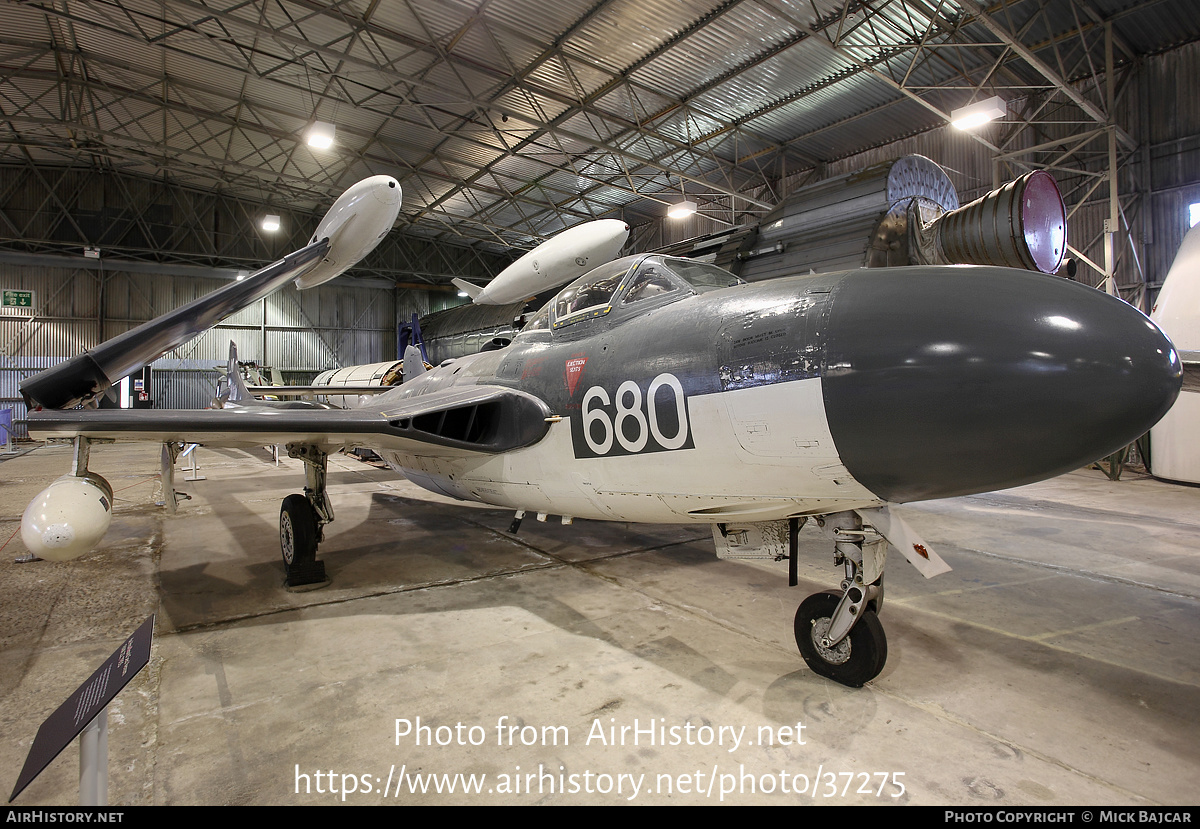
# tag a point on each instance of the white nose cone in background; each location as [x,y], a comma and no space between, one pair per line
[554,262]
[68,518]
[356,223]
[1175,440]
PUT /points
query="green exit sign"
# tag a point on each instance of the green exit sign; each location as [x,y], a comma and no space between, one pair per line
[18,299]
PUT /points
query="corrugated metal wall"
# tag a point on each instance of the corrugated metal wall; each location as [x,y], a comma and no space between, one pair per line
[411,301]
[1166,109]
[64,320]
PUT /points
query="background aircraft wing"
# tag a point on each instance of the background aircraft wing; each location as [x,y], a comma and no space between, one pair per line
[1191,370]
[483,419]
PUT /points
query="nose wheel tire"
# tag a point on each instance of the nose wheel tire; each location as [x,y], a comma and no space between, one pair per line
[298,543]
[855,660]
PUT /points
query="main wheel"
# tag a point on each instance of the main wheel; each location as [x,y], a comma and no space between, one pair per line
[855,660]
[297,531]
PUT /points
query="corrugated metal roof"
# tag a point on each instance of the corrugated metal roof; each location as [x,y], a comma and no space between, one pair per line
[550,104]
[625,30]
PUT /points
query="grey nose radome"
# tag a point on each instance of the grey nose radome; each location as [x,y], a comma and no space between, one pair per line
[953,381]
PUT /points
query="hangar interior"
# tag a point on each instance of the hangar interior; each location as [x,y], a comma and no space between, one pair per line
[142,146]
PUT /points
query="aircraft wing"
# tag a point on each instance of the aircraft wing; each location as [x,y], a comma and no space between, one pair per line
[91,373]
[483,419]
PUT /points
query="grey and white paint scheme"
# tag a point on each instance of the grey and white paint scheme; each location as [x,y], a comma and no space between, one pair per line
[663,390]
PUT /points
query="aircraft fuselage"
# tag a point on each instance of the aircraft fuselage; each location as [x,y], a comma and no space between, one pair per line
[811,395]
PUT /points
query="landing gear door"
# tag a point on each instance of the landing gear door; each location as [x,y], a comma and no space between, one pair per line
[761,541]
[906,541]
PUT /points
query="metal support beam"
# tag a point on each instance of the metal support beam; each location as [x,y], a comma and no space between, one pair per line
[1060,84]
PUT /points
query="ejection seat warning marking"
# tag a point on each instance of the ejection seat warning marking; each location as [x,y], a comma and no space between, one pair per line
[632,420]
[573,369]
[88,700]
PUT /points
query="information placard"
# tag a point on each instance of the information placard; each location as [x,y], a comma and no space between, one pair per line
[89,699]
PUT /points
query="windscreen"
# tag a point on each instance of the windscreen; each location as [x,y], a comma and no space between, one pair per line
[702,276]
[591,295]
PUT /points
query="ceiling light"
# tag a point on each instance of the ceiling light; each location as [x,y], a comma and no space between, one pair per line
[270,223]
[979,113]
[681,210]
[321,135]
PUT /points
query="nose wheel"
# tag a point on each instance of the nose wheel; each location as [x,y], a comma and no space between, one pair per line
[854,660]
[838,631]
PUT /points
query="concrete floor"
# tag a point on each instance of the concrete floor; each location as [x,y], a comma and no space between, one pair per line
[1057,664]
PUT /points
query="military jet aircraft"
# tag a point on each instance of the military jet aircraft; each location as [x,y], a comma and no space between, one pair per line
[655,389]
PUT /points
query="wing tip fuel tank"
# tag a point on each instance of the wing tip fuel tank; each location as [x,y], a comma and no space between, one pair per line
[354,225]
[68,518]
[555,262]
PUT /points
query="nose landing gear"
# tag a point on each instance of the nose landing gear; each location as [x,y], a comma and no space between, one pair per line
[838,632]
[855,659]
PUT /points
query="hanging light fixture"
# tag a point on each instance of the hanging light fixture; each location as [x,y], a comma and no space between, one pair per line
[270,223]
[979,113]
[320,137]
[682,209]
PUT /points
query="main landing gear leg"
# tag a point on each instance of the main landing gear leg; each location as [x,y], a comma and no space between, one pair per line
[838,631]
[302,520]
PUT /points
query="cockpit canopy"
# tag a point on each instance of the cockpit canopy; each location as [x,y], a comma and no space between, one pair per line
[634,283]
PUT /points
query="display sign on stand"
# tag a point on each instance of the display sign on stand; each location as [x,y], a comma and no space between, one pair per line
[86,712]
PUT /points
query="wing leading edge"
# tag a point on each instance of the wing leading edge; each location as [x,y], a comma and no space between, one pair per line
[484,419]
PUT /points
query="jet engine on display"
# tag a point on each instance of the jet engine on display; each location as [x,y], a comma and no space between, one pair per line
[902,212]
[818,396]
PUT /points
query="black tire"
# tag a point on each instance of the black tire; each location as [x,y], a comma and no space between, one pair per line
[857,659]
[297,531]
